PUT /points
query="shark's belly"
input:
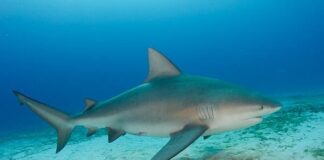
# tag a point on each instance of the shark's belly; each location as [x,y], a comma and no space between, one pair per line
[156,122]
[152,129]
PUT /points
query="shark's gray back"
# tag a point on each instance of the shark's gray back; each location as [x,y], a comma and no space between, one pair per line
[170,102]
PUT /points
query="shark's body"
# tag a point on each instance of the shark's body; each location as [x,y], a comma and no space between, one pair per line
[169,103]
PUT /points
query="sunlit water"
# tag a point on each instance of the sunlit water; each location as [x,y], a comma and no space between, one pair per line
[61,51]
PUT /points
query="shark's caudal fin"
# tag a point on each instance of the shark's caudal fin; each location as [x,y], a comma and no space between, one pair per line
[59,120]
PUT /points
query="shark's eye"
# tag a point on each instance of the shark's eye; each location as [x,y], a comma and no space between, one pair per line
[261,107]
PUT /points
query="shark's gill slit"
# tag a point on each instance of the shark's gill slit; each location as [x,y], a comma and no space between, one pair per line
[203,116]
[213,110]
[198,112]
[205,112]
[201,113]
[208,111]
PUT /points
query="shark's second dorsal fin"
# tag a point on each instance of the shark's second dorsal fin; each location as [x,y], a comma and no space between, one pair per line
[160,66]
[89,103]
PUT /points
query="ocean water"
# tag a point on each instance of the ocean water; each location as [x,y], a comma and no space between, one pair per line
[60,52]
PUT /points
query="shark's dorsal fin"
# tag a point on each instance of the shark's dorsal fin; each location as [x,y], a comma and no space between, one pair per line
[89,103]
[160,66]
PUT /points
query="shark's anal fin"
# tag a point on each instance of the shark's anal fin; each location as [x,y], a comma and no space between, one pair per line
[114,134]
[89,103]
[180,141]
[160,66]
[63,135]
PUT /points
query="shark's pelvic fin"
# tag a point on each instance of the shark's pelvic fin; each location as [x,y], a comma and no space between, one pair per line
[160,66]
[89,103]
[91,131]
[59,120]
[180,141]
[114,134]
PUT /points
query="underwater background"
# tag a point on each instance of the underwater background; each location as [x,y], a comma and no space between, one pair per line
[61,51]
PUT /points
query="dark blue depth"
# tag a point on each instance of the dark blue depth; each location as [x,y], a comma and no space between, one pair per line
[63,51]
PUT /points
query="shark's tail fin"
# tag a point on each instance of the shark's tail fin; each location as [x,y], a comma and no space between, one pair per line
[58,119]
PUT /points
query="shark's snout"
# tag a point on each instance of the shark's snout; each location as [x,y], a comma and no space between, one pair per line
[275,108]
[271,109]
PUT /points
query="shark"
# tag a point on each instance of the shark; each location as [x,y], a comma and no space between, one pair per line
[169,103]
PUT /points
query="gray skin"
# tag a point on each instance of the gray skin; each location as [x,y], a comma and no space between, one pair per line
[166,105]
[169,103]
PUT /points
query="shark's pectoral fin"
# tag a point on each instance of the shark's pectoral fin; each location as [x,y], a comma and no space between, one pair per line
[160,66]
[114,134]
[180,141]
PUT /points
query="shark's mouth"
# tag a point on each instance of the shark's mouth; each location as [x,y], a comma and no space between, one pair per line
[259,116]
[255,119]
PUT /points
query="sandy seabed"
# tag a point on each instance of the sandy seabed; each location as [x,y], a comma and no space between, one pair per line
[296,132]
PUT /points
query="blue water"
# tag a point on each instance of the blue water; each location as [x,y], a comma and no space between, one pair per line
[63,51]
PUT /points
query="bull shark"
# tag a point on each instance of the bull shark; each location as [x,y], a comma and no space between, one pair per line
[168,104]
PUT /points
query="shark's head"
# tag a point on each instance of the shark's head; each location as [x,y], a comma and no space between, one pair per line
[240,109]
